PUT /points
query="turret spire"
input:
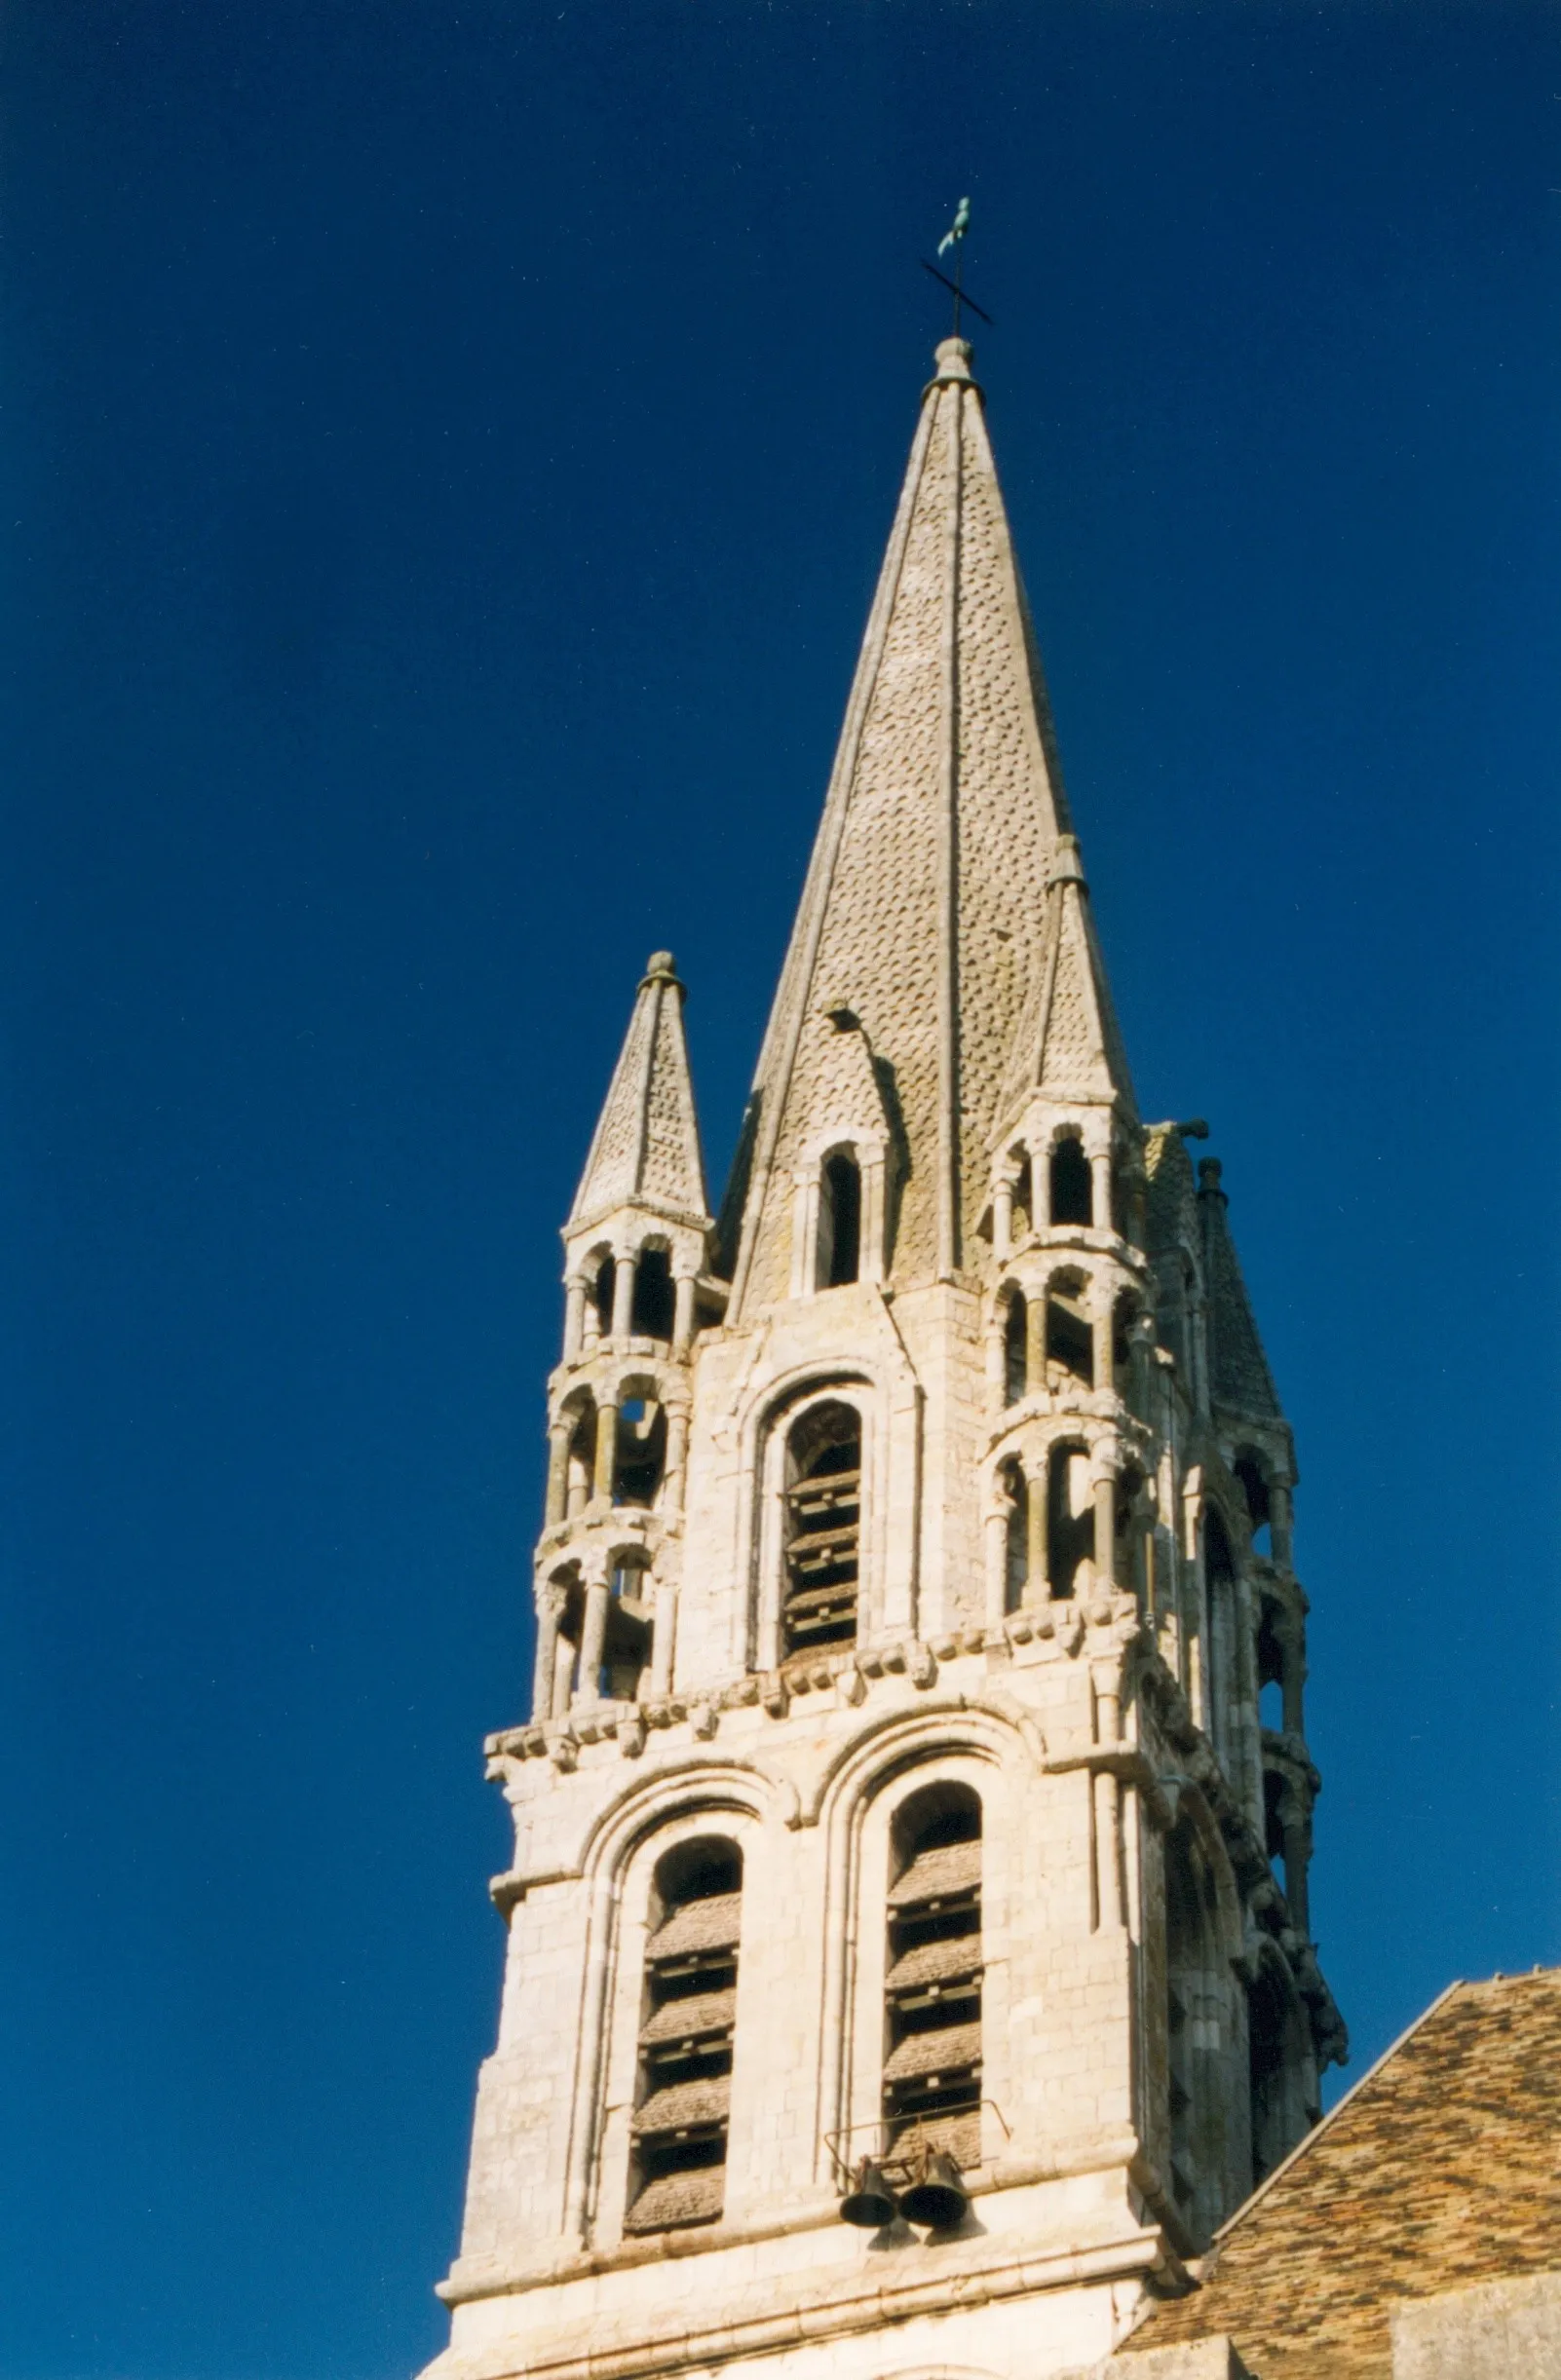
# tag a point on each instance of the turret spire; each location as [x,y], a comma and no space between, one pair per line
[646,1147]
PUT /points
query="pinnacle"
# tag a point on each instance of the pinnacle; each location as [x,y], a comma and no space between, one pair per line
[646,1147]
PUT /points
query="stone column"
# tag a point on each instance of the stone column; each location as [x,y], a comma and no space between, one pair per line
[1100,1188]
[623,1296]
[1035,1342]
[673,1490]
[683,1288]
[1038,1574]
[574,1314]
[1281,1525]
[1106,1531]
[663,1637]
[997,1562]
[606,1447]
[1292,1681]
[550,1612]
[1003,1218]
[562,1674]
[555,1508]
[592,1639]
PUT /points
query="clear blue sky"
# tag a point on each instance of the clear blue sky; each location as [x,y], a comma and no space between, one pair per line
[447,451]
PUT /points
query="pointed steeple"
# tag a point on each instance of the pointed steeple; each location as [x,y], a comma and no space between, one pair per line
[925,910]
[646,1147]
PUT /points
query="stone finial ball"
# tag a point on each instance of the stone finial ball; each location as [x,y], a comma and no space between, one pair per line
[661,963]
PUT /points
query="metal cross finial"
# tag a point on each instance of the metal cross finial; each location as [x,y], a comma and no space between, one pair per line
[954,237]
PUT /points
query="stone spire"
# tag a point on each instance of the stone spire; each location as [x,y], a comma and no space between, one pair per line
[924,917]
[645,1151]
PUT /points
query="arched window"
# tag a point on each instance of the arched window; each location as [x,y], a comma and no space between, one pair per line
[1072,1197]
[1128,1553]
[1070,1518]
[839,1221]
[1270,1671]
[1015,1323]
[933,2069]
[599,1298]
[560,1689]
[655,1298]
[581,1471]
[1254,1487]
[678,2161]
[822,1528]
[1219,1575]
[1070,1333]
[641,1452]
[1016,1545]
[626,1644]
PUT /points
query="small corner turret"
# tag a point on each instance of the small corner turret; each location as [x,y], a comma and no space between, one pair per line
[637,1286]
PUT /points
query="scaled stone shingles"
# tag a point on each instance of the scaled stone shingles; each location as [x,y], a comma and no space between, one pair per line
[1442,2170]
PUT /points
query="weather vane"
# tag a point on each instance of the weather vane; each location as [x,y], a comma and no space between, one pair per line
[954,237]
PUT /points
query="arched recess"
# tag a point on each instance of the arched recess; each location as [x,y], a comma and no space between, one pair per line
[579,1415]
[932,1990]
[1072,1191]
[619,1855]
[838,1260]
[810,1516]
[1204,2132]
[1015,1353]
[602,1272]
[821,1544]
[1250,1473]
[987,1753]
[1070,1334]
[680,2127]
[639,1464]
[654,1300]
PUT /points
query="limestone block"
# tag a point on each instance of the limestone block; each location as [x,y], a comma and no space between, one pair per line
[1491,2332]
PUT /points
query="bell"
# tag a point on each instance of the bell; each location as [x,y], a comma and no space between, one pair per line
[869,2203]
[936,2198]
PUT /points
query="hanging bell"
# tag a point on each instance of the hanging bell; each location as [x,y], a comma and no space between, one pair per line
[937,2197]
[869,2203]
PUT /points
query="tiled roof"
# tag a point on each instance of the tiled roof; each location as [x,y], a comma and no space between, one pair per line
[1440,2170]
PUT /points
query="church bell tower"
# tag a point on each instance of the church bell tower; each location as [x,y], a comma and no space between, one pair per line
[908,1959]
